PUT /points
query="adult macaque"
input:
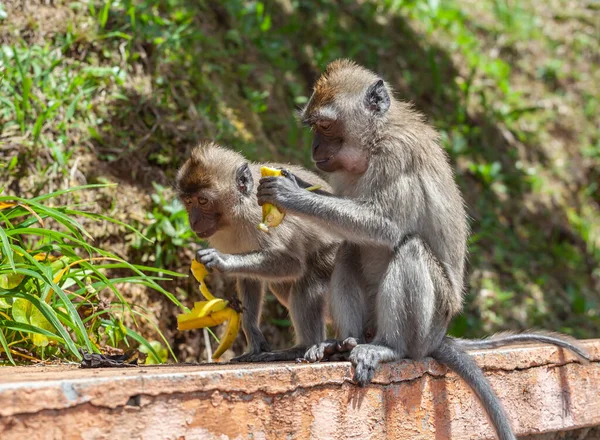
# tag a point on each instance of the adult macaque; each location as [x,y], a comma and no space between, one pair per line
[216,186]
[400,268]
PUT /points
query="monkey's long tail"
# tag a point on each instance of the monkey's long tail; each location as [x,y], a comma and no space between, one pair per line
[508,338]
[451,354]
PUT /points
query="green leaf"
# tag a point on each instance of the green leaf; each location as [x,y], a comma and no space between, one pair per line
[11,280]
[25,312]
[6,347]
[26,328]
[104,14]
[6,248]
[159,350]
[47,311]
[66,191]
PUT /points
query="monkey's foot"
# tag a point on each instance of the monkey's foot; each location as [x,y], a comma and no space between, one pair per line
[331,349]
[289,354]
[366,357]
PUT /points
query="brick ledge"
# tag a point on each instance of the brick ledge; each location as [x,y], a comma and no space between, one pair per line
[544,390]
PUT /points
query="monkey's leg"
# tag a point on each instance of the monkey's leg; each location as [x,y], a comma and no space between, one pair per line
[307,311]
[347,305]
[409,300]
[251,294]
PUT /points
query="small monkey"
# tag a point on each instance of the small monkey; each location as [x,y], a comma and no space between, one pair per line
[401,216]
[216,186]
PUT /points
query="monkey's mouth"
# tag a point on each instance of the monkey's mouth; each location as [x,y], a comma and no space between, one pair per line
[206,233]
[326,164]
[320,161]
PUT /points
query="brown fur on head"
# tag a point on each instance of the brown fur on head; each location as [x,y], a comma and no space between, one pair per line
[346,109]
[209,183]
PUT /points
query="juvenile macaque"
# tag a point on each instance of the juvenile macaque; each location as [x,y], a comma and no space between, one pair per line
[400,268]
[295,258]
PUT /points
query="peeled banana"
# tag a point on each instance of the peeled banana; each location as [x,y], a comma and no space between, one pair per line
[271,215]
[212,312]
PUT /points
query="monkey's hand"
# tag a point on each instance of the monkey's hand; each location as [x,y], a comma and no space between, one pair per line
[366,357]
[213,259]
[280,191]
[330,349]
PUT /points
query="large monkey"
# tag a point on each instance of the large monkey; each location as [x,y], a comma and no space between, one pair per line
[216,186]
[400,213]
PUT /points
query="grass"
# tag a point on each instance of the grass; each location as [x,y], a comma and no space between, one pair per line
[119,91]
[55,298]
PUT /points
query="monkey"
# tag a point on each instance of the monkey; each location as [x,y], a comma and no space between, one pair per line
[295,259]
[402,221]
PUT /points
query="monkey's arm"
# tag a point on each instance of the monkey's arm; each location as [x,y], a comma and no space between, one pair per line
[273,264]
[352,219]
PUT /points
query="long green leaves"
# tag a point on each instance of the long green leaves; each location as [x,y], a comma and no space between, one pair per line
[51,303]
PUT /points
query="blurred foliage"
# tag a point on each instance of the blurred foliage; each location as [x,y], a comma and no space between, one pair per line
[119,91]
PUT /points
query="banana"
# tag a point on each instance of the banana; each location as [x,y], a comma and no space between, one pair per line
[205,308]
[233,327]
[212,306]
[212,312]
[271,215]
[191,321]
[199,272]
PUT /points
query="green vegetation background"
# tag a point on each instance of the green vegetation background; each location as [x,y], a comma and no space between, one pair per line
[119,91]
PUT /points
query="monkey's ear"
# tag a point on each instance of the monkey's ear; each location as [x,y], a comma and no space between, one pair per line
[243,179]
[378,98]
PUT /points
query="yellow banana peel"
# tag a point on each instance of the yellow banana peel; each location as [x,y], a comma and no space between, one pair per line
[210,313]
[233,327]
[199,272]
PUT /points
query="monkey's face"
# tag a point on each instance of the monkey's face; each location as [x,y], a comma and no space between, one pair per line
[209,193]
[204,212]
[344,112]
[333,148]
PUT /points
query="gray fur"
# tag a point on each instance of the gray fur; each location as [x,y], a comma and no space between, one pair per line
[529,337]
[294,259]
[448,353]
[400,213]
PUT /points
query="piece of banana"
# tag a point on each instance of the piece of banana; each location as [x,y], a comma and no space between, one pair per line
[212,312]
[233,327]
[271,215]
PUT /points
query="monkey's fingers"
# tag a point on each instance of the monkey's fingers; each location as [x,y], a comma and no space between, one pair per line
[347,345]
[264,197]
[365,360]
[266,180]
[285,173]
[209,260]
[202,252]
[322,351]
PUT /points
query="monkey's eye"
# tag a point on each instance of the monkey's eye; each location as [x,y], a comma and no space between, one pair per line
[325,125]
[202,200]
[187,201]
